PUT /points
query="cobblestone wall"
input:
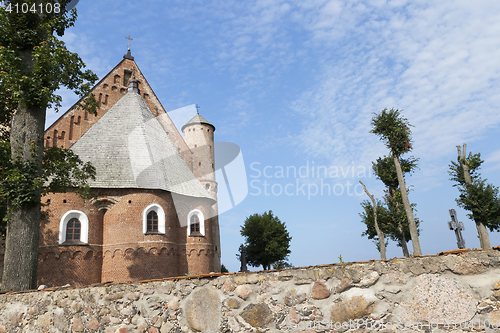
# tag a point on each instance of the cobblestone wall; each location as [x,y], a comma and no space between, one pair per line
[445,293]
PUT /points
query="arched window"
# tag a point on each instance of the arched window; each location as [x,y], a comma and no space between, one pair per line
[196,223]
[74,228]
[153,220]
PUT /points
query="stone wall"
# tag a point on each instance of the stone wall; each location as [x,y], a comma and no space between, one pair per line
[454,292]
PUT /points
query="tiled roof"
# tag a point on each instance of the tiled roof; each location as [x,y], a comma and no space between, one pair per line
[196,120]
[130,149]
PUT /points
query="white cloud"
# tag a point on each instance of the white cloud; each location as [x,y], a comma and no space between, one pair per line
[438,61]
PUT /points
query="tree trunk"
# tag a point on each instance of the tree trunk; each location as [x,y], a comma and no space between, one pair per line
[380,234]
[409,212]
[21,244]
[484,237]
[404,245]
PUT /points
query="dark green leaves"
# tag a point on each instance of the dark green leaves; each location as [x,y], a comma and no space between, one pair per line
[480,198]
[385,169]
[62,170]
[29,36]
[393,129]
[266,240]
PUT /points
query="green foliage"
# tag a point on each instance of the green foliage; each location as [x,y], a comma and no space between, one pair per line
[282,264]
[31,35]
[63,169]
[223,269]
[33,65]
[388,217]
[480,198]
[390,213]
[266,240]
[20,185]
[456,171]
[385,169]
[393,129]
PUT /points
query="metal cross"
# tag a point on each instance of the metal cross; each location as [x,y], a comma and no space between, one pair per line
[129,39]
[197,109]
[458,227]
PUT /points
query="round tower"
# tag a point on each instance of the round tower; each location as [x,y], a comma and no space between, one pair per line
[199,137]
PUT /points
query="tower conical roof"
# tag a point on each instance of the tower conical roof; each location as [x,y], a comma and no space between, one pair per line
[130,149]
[196,120]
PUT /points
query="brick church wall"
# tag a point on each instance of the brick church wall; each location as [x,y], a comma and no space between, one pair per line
[118,250]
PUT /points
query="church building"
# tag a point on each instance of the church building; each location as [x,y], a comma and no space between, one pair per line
[154,208]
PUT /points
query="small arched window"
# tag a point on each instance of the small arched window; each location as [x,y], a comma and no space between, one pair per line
[74,228]
[153,220]
[196,223]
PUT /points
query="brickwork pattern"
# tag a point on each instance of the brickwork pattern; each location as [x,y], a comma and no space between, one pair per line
[117,249]
[75,122]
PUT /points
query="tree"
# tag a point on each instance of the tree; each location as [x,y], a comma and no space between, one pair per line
[391,219]
[282,264]
[394,130]
[476,196]
[266,240]
[385,170]
[380,234]
[379,213]
[33,65]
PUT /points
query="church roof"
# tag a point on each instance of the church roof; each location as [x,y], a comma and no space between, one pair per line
[196,120]
[130,149]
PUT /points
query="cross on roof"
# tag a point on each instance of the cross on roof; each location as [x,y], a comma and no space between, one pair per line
[197,109]
[129,39]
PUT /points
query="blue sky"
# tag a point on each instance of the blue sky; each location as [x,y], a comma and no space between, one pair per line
[295,83]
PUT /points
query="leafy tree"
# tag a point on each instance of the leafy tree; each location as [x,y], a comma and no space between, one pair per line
[394,130]
[34,63]
[282,264]
[380,234]
[266,240]
[61,169]
[385,170]
[392,222]
[223,269]
[476,196]
[368,218]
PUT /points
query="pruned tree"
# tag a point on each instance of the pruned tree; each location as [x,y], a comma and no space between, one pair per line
[368,218]
[34,64]
[266,240]
[391,219]
[380,233]
[385,170]
[394,130]
[476,196]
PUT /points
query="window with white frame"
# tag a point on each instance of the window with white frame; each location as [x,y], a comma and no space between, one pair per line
[196,223]
[74,228]
[153,220]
